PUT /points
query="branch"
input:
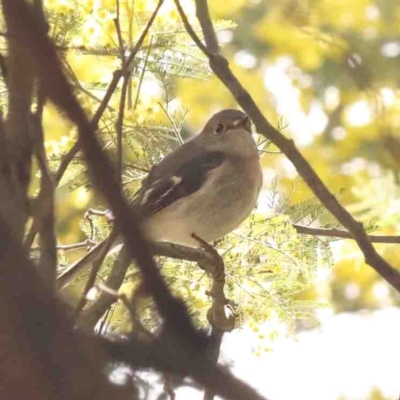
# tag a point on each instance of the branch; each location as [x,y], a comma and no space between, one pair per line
[119,125]
[213,351]
[43,215]
[117,24]
[44,219]
[75,246]
[206,24]
[162,355]
[220,67]
[340,233]
[93,275]
[221,315]
[16,143]
[205,260]
[40,351]
[90,316]
[162,249]
[126,81]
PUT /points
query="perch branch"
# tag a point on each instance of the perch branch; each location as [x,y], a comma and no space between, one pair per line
[205,260]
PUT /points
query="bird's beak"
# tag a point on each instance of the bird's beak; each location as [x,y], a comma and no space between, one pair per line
[243,123]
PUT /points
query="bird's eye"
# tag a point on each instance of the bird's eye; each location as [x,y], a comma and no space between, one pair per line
[219,128]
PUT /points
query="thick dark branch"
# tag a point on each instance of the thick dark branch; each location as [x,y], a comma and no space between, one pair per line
[213,351]
[60,92]
[16,143]
[42,356]
[165,356]
[340,233]
[44,218]
[220,67]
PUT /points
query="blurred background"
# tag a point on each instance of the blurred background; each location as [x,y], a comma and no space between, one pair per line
[324,72]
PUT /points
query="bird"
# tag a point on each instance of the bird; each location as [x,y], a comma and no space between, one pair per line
[207,187]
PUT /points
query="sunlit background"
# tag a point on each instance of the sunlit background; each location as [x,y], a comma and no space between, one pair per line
[327,74]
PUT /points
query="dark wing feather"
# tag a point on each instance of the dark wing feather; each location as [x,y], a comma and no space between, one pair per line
[187,179]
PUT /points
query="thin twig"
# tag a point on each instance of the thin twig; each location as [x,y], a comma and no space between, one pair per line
[140,329]
[118,74]
[117,24]
[340,233]
[78,84]
[171,121]
[74,246]
[84,263]
[119,126]
[141,78]
[92,277]
[91,315]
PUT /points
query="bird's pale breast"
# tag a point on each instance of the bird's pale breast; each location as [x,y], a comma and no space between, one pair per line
[216,209]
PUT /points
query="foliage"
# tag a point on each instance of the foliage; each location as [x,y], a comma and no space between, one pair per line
[344,107]
[323,72]
[268,264]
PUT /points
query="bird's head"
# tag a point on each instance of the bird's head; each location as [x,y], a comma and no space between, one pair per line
[229,131]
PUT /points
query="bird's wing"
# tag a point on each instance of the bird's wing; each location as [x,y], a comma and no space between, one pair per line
[160,191]
[169,181]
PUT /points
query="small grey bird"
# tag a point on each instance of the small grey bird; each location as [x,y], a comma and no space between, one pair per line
[207,186]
